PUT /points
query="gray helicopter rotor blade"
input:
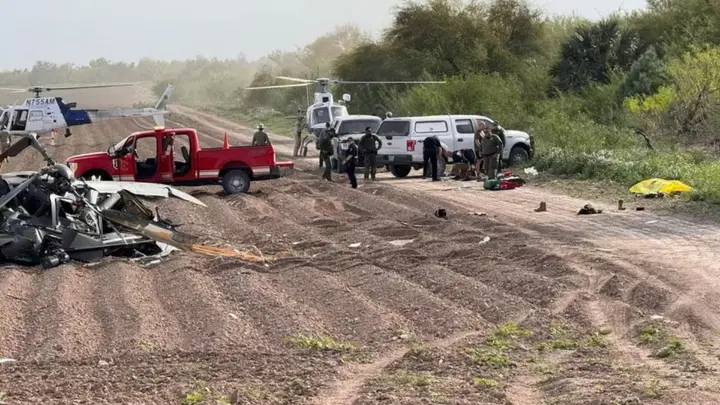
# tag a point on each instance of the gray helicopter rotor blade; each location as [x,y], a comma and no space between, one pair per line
[386,82]
[295,79]
[281,86]
[91,86]
[12,89]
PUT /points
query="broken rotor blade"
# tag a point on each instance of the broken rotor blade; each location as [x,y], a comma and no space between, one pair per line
[281,86]
[177,239]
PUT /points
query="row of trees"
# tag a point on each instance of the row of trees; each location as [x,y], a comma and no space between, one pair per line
[652,73]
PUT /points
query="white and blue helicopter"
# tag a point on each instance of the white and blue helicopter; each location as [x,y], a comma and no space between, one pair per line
[324,109]
[41,115]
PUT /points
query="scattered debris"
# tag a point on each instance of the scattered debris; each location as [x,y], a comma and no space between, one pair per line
[401,242]
[532,171]
[639,208]
[588,209]
[480,214]
[103,363]
[441,213]
[355,245]
[233,316]
[651,222]
[484,241]
[7,360]
[49,218]
[542,207]
[620,205]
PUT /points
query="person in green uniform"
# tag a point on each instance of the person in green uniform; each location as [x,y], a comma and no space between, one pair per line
[369,145]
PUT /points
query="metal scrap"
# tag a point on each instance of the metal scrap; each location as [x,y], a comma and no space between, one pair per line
[50,218]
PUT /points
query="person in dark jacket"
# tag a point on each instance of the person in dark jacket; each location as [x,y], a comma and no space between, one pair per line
[431,153]
[369,145]
[324,145]
[351,161]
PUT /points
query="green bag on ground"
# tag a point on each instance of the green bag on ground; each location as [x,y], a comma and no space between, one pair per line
[491,184]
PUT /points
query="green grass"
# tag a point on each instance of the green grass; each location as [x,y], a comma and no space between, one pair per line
[319,343]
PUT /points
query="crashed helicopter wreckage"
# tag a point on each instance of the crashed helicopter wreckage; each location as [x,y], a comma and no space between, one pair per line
[50,218]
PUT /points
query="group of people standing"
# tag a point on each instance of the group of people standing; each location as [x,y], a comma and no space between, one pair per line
[487,148]
[369,144]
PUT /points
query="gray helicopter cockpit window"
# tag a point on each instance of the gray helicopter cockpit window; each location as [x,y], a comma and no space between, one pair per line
[4,119]
[321,115]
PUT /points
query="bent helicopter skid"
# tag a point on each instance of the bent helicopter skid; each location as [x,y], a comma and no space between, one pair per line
[49,218]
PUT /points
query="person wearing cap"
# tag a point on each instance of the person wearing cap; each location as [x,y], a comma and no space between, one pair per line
[369,145]
[260,138]
[351,161]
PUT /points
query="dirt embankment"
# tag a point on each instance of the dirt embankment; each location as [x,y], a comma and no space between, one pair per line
[372,300]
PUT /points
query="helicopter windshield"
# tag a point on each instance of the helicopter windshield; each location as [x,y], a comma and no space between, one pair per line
[4,120]
[321,115]
[339,111]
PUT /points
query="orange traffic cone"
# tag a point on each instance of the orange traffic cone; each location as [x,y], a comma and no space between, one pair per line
[226,144]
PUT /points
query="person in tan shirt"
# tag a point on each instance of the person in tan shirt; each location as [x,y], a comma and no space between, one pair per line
[491,147]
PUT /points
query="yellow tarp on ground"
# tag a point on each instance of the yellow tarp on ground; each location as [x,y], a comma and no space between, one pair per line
[655,186]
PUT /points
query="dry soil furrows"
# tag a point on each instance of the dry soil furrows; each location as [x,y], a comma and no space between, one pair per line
[196,318]
[622,256]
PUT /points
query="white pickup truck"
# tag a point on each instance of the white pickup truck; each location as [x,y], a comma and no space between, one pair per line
[347,126]
[403,140]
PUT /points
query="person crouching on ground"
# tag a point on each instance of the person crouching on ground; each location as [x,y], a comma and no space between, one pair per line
[491,148]
[351,161]
[369,145]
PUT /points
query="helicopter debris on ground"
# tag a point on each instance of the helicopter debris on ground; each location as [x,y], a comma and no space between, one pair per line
[49,218]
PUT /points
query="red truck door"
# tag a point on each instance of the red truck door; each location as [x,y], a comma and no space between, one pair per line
[166,163]
[125,164]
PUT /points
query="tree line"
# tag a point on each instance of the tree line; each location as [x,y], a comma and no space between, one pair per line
[631,96]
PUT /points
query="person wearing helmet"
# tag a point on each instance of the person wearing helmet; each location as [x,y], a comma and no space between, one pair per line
[260,138]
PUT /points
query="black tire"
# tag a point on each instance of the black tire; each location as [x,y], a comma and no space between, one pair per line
[518,156]
[236,181]
[400,170]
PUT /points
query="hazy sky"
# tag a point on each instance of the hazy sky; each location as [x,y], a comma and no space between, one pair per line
[80,30]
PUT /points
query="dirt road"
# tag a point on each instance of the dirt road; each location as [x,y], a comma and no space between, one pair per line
[374,301]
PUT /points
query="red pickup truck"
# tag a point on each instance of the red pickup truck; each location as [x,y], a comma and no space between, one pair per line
[235,167]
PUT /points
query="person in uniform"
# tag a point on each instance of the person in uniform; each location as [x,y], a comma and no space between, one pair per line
[260,138]
[351,161]
[298,132]
[431,153]
[478,147]
[323,132]
[491,148]
[369,145]
[324,145]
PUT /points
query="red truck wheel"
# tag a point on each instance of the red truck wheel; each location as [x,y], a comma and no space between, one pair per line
[236,181]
